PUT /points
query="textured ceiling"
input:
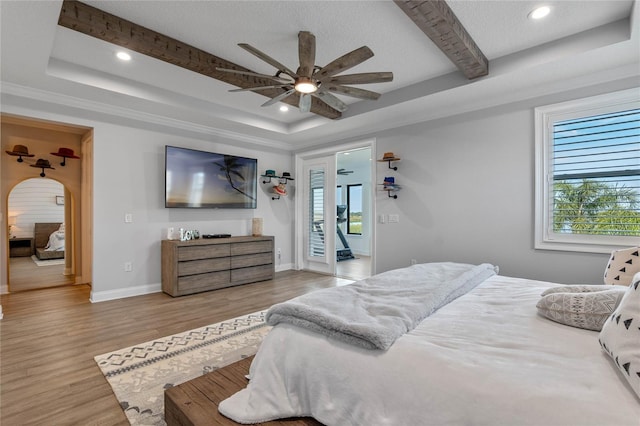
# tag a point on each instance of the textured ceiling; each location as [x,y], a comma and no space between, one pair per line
[37,53]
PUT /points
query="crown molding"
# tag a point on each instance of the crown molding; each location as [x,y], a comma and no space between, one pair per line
[102,109]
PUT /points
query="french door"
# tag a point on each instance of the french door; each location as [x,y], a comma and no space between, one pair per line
[319,219]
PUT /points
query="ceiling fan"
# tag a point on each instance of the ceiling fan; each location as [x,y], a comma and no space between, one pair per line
[311,80]
[344,171]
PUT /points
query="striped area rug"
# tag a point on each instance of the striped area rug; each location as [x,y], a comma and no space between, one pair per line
[139,374]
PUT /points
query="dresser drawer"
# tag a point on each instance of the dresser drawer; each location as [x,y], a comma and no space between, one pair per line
[251,260]
[251,247]
[192,267]
[202,282]
[203,252]
[251,274]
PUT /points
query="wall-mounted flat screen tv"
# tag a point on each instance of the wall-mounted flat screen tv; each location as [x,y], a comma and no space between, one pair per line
[199,179]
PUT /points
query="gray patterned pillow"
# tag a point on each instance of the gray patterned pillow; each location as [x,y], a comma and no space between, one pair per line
[586,288]
[620,335]
[583,310]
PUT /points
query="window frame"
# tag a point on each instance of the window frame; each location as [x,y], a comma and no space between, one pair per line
[545,117]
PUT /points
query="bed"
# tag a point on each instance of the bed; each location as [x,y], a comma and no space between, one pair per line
[49,240]
[485,358]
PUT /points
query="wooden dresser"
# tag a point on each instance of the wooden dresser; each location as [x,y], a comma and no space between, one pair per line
[207,264]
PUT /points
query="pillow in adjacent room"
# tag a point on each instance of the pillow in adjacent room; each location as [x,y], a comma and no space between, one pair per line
[620,335]
[583,310]
[622,266]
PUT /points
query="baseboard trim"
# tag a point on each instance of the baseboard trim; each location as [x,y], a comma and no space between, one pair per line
[121,293]
[284,267]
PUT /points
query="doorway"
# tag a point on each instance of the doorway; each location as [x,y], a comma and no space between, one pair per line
[43,138]
[354,213]
[334,229]
[38,245]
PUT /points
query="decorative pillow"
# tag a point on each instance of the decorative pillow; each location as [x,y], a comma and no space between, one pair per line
[622,265]
[620,335]
[576,289]
[582,310]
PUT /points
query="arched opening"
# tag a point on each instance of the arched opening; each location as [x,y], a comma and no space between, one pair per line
[40,250]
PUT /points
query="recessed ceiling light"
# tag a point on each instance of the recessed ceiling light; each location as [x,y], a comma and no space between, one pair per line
[123,56]
[284,108]
[539,12]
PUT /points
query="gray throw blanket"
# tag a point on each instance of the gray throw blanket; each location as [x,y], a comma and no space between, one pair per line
[374,312]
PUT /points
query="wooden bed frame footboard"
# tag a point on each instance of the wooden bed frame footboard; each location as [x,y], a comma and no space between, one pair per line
[195,403]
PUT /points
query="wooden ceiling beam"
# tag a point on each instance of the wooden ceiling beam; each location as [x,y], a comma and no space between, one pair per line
[113,29]
[436,19]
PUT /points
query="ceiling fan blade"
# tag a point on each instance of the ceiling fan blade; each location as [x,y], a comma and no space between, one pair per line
[354,92]
[330,100]
[344,62]
[363,78]
[279,97]
[268,59]
[278,86]
[305,102]
[254,74]
[306,53]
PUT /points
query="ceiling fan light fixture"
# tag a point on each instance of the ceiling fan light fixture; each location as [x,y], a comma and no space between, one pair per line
[305,85]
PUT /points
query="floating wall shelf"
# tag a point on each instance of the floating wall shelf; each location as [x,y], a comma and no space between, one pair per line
[279,189]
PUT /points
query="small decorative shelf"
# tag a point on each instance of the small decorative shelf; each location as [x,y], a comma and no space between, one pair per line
[389,158]
[390,189]
[279,189]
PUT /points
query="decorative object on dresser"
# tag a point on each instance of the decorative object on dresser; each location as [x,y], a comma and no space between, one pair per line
[209,264]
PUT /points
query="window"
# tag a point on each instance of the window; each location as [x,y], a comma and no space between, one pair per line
[588,173]
[354,209]
[316,213]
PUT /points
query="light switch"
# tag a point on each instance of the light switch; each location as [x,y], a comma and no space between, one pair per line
[128,218]
[381,218]
[394,218]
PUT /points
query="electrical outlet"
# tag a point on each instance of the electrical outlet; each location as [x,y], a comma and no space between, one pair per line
[128,218]
[279,253]
[128,267]
[413,261]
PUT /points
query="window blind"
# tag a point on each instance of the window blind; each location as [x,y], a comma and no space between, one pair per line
[596,174]
[316,213]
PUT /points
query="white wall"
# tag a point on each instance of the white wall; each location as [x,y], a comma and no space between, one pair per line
[468,195]
[129,178]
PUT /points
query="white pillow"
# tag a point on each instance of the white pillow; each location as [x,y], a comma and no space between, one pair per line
[622,266]
[583,310]
[620,335]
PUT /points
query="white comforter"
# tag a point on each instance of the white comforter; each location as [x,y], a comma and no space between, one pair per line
[485,359]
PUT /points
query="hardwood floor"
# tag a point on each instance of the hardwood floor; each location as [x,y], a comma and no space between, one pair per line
[355,269]
[48,339]
[26,275]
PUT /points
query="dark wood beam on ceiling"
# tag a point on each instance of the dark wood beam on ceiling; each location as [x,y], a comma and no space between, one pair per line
[113,29]
[436,19]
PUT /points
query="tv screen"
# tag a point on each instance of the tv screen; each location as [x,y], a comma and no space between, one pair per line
[199,179]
